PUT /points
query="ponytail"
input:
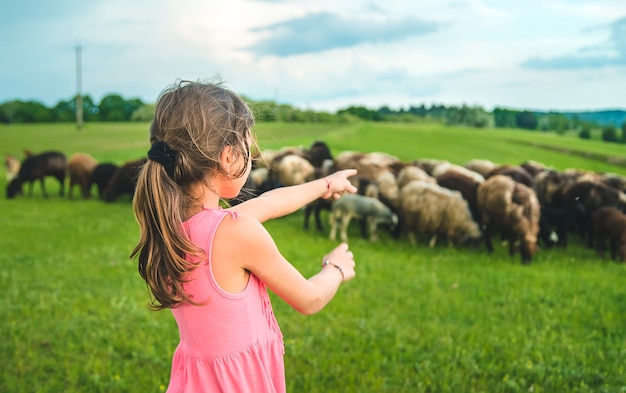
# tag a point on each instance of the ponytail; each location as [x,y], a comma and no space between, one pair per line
[158,205]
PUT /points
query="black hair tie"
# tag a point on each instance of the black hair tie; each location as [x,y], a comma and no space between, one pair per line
[163,154]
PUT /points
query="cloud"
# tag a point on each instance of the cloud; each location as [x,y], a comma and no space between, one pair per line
[323,31]
[611,53]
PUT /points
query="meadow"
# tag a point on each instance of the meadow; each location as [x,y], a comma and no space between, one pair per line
[74,309]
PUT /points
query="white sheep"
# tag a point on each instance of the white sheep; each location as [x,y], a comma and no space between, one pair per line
[430,209]
[350,206]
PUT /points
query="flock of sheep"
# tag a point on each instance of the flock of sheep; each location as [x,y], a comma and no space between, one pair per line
[529,205]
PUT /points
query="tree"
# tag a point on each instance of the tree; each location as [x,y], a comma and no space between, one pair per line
[623,140]
[526,120]
[504,118]
[585,133]
[114,107]
[609,134]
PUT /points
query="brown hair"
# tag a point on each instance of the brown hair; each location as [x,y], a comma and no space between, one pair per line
[195,121]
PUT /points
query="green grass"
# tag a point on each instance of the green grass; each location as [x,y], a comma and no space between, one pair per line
[74,309]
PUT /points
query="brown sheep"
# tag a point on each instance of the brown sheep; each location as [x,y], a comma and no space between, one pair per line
[609,223]
[80,166]
[516,173]
[377,167]
[513,209]
[429,209]
[466,185]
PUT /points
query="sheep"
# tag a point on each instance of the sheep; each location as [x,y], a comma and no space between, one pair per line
[555,222]
[101,176]
[481,166]
[79,168]
[513,209]
[36,167]
[430,209]
[609,223]
[351,206]
[364,187]
[465,184]
[291,170]
[12,166]
[428,164]
[123,180]
[446,166]
[550,186]
[377,167]
[516,173]
[413,172]
[533,167]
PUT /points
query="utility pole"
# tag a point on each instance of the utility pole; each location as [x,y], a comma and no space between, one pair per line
[79,88]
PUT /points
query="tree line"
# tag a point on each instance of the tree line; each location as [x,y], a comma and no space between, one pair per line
[114,107]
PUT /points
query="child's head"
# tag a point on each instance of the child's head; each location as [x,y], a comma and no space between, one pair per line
[193,124]
[197,121]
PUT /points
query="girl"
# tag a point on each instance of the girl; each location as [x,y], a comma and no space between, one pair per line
[211,266]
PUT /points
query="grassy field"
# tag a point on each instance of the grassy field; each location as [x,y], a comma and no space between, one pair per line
[74,309]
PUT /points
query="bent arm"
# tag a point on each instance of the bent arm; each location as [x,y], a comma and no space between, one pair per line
[260,255]
[285,200]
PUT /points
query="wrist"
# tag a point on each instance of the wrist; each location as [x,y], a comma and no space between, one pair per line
[327,262]
[327,184]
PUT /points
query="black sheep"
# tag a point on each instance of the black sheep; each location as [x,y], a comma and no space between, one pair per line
[123,181]
[101,176]
[37,167]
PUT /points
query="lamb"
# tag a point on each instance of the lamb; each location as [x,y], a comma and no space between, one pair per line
[79,167]
[609,223]
[513,209]
[413,172]
[350,206]
[433,210]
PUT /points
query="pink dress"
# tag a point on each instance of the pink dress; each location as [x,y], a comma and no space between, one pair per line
[233,342]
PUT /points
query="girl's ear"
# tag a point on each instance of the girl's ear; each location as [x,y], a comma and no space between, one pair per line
[228,158]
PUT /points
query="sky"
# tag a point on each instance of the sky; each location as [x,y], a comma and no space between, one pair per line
[325,55]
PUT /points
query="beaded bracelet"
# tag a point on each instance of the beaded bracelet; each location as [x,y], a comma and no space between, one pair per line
[326,262]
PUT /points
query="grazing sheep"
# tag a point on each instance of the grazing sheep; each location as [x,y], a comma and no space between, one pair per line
[446,166]
[516,173]
[533,167]
[377,167]
[429,209]
[466,185]
[428,164]
[37,167]
[513,209]
[413,172]
[292,170]
[79,167]
[364,187]
[317,154]
[123,180]
[556,222]
[550,186]
[481,166]
[12,165]
[593,195]
[609,223]
[350,206]
[101,176]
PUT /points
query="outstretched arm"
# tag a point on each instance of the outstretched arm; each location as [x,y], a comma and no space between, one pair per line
[285,200]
